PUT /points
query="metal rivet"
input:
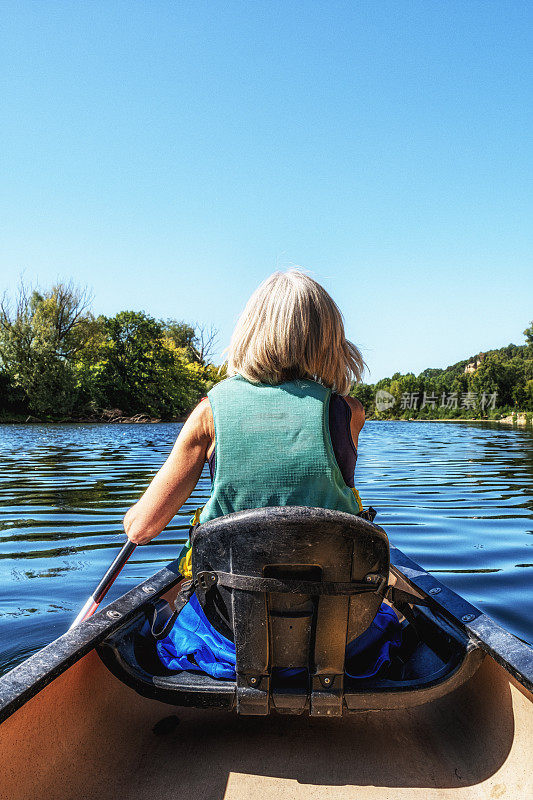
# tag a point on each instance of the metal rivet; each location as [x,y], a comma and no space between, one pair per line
[114,614]
[468,617]
[435,590]
[148,589]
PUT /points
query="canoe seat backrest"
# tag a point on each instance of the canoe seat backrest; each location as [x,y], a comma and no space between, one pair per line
[276,631]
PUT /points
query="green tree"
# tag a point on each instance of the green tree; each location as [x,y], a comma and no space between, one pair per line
[13,400]
[528,333]
[364,392]
[497,375]
[507,371]
[138,367]
[182,335]
[133,362]
[528,395]
[40,334]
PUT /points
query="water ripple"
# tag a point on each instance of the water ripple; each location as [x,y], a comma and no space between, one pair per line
[457,498]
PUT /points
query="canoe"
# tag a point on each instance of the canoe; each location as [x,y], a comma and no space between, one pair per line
[91,715]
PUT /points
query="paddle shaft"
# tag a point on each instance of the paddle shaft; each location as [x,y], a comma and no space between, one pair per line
[105,584]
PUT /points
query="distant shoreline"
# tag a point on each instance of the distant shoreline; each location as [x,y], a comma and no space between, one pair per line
[136,419]
[146,419]
[520,421]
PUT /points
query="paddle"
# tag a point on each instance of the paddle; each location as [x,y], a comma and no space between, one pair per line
[105,584]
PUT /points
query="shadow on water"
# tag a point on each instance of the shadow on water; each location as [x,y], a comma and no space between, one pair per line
[457,498]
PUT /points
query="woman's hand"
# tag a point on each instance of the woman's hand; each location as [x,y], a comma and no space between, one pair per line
[176,479]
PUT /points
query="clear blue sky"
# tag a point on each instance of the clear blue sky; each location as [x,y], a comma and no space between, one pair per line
[170,155]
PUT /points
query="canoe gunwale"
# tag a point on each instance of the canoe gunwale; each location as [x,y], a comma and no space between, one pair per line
[511,653]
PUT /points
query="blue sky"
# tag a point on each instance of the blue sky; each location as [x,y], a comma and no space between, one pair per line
[170,155]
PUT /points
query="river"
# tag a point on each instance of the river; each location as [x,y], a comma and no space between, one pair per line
[458,498]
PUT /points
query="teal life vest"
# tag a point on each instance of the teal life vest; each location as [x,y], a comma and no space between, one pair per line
[273,448]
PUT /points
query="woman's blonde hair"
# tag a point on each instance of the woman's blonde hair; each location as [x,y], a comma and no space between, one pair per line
[291,328]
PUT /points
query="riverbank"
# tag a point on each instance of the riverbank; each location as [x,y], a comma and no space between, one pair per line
[521,420]
[116,416]
[108,416]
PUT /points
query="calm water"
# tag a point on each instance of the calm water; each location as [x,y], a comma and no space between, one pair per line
[458,498]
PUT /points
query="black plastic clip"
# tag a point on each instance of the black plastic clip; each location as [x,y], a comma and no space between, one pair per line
[378,581]
[206,580]
[327,695]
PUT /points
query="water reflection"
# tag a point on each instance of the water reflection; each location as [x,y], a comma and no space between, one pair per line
[457,498]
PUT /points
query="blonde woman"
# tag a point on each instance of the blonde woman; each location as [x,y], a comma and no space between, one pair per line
[281,430]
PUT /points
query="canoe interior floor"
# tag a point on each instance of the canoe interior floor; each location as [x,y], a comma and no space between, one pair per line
[87,736]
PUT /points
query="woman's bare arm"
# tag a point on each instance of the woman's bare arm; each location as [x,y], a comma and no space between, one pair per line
[176,479]
[358,418]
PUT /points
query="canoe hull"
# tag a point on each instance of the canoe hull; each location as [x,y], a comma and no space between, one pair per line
[86,735]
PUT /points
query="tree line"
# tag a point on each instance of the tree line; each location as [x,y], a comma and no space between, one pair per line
[59,361]
[488,386]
